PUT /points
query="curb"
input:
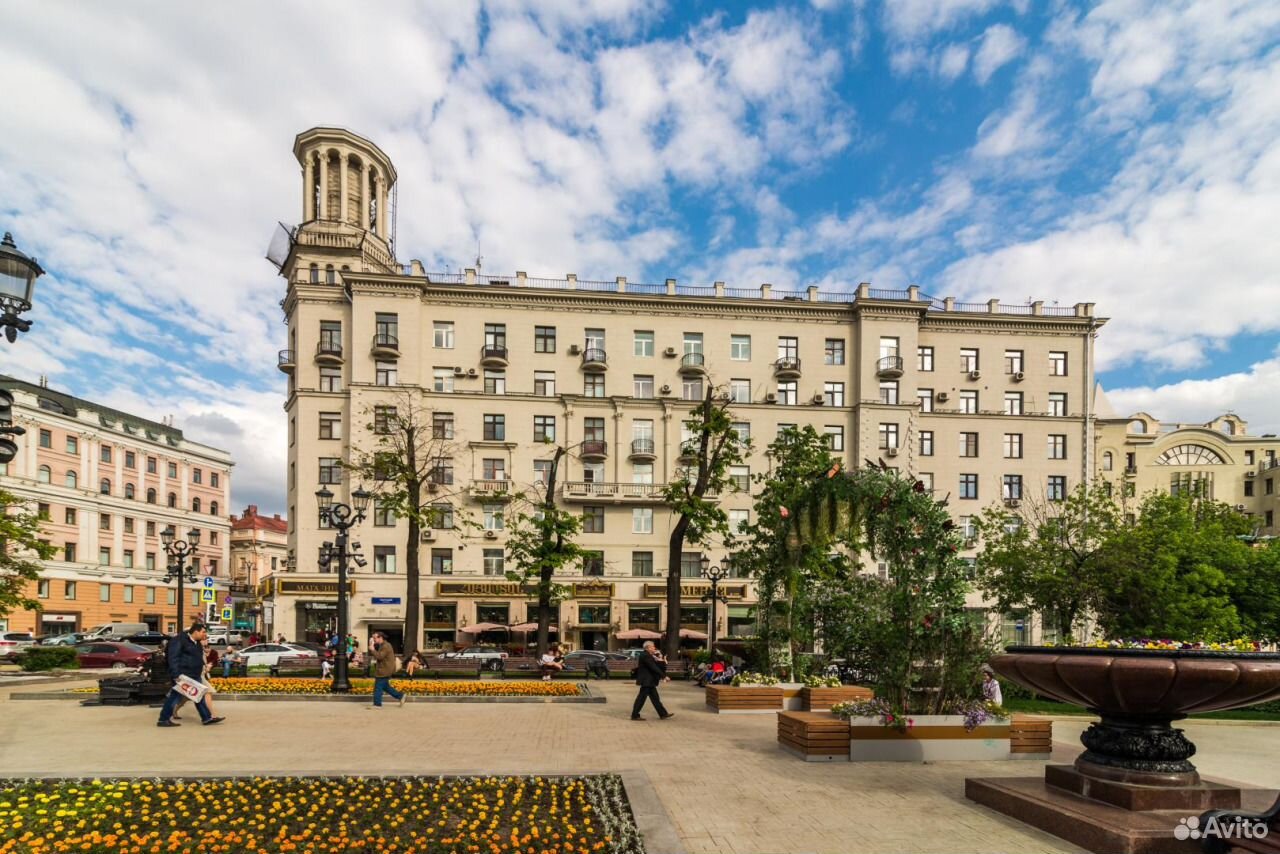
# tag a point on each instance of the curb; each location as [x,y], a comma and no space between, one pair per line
[587,696]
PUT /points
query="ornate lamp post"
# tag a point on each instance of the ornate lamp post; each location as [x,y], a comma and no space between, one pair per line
[714,574]
[341,517]
[177,567]
[18,274]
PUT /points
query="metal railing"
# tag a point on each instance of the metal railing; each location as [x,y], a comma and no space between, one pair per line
[386,341]
[595,355]
[329,348]
[642,446]
[492,351]
[594,448]
[285,357]
[889,364]
[693,360]
[787,364]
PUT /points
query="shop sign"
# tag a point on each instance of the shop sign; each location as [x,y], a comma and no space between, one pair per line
[386,600]
[696,591]
[314,588]
[479,588]
[57,618]
[593,590]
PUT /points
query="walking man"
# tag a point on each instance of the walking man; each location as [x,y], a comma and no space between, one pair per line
[651,670]
[185,657]
[384,667]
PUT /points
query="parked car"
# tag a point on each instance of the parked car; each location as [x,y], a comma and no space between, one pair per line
[592,661]
[13,643]
[115,631]
[152,639]
[224,637]
[268,654]
[318,648]
[70,639]
[491,656]
[117,656]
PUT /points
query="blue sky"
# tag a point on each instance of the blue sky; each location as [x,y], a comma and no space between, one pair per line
[1125,152]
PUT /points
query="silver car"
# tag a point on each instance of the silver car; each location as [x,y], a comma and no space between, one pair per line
[13,643]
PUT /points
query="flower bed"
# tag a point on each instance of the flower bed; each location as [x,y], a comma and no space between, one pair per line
[1238,645]
[575,815]
[414,688]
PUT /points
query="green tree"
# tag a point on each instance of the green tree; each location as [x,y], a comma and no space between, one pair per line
[712,448]
[540,542]
[1169,575]
[1255,590]
[21,551]
[1044,555]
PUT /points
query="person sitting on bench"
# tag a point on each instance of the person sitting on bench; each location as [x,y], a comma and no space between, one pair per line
[551,663]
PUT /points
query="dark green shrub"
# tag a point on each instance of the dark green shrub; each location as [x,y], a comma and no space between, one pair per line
[49,658]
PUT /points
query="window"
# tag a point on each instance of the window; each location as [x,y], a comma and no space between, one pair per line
[889,391]
[969,402]
[834,434]
[173,500]
[925,398]
[1013,446]
[495,339]
[330,378]
[73,445]
[924,358]
[692,342]
[442,561]
[592,564]
[69,590]
[1011,487]
[544,428]
[69,516]
[330,470]
[691,388]
[384,373]
[128,594]
[743,431]
[494,562]
[968,444]
[888,435]
[544,383]
[926,443]
[384,515]
[593,472]
[104,556]
[1013,403]
[151,594]
[71,480]
[592,519]
[42,588]
[442,515]
[738,521]
[104,486]
[104,592]
[1248,458]
[495,381]
[593,385]
[833,351]
[969,486]
[594,339]
[691,565]
[642,564]
[494,468]
[1057,363]
[442,379]
[495,428]
[642,386]
[104,521]
[128,525]
[740,478]
[213,479]
[493,520]
[384,559]
[541,471]
[1057,490]
[43,511]
[926,478]
[195,505]
[1013,361]
[740,391]
[442,334]
[330,425]
[442,472]
[788,348]
[787,392]
[104,453]
[740,348]
[151,465]
[129,491]
[1057,403]
[128,558]
[544,339]
[46,438]
[1108,461]
[968,359]
[643,344]
[642,520]
[172,469]
[43,475]
[151,496]
[130,460]
[1248,489]
[1058,447]
[593,429]
[833,394]
[384,419]
[197,476]
[642,473]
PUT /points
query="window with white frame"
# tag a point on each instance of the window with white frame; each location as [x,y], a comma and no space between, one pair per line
[495,381]
[442,379]
[968,359]
[740,478]
[787,392]
[642,520]
[888,436]
[743,431]
[1057,363]
[643,343]
[1013,403]
[1058,403]
[969,402]
[442,334]
[889,391]
[925,396]
[740,391]
[738,521]
[544,383]
[642,386]
[691,388]
[740,348]
[833,394]
[1058,447]
[1013,446]
[493,520]
[384,373]
[495,562]
[834,434]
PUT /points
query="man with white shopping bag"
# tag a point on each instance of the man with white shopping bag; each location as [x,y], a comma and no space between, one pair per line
[185,657]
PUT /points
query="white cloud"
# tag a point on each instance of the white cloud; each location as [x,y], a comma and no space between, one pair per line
[914,19]
[1000,45]
[954,60]
[1020,128]
[1250,393]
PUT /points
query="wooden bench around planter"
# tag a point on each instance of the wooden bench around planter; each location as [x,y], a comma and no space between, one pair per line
[814,736]
[726,699]
[822,699]
[1030,738]
[450,667]
[295,665]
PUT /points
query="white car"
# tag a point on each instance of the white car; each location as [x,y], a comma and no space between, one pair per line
[13,643]
[223,637]
[491,656]
[269,654]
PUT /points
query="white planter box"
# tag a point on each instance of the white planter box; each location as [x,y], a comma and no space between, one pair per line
[931,738]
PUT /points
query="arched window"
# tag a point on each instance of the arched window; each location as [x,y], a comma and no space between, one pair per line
[195,505]
[1228,428]
[1108,461]
[104,486]
[151,496]
[173,499]
[44,474]
[213,508]
[315,273]
[1137,425]
[1190,455]
[72,479]
[330,277]
[128,490]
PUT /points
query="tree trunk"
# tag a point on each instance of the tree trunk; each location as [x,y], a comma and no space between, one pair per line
[671,643]
[546,571]
[412,607]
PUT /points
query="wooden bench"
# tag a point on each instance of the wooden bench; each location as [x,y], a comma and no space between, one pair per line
[295,664]
[814,736]
[822,699]
[677,669]
[726,699]
[521,667]
[621,669]
[1233,819]
[450,667]
[1030,738]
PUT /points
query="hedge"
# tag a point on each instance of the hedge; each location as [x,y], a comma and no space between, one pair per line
[49,658]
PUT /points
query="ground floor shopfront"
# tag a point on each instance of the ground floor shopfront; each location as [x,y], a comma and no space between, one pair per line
[591,617]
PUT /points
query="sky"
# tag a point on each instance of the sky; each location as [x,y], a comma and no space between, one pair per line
[1125,153]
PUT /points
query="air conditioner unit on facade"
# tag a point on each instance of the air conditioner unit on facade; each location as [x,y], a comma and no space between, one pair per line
[432,487]
[666,389]
[975,375]
[724,397]
[1250,474]
[942,397]
[574,349]
[471,372]
[1012,502]
[428,535]
[1240,507]
[890,452]
[459,372]
[670,352]
[771,398]
[1018,376]
[491,535]
[818,399]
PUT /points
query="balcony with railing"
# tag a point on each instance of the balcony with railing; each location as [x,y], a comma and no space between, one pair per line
[889,367]
[643,450]
[490,490]
[616,493]
[787,368]
[385,346]
[329,352]
[693,364]
[287,361]
[494,356]
[593,450]
[595,359]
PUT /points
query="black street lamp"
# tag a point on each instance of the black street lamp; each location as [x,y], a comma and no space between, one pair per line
[176,567]
[18,274]
[714,574]
[342,517]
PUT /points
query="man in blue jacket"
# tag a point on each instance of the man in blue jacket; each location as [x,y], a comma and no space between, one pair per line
[185,657]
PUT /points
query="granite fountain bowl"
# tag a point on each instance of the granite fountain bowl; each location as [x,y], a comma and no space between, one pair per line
[1137,693]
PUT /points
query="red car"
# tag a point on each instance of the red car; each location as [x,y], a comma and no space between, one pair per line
[117,656]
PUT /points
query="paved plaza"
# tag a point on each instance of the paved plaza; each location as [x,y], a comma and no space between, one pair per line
[722,780]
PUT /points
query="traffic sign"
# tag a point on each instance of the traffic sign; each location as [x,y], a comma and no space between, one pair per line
[227,600]
[208,581]
[206,595]
[226,613]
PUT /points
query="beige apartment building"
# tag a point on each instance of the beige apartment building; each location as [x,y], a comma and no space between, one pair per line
[259,549]
[107,483]
[983,401]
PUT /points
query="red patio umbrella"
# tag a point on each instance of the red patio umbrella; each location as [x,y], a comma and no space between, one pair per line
[638,634]
[478,628]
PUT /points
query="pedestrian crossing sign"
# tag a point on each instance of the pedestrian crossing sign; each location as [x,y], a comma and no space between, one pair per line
[226,614]
[207,594]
